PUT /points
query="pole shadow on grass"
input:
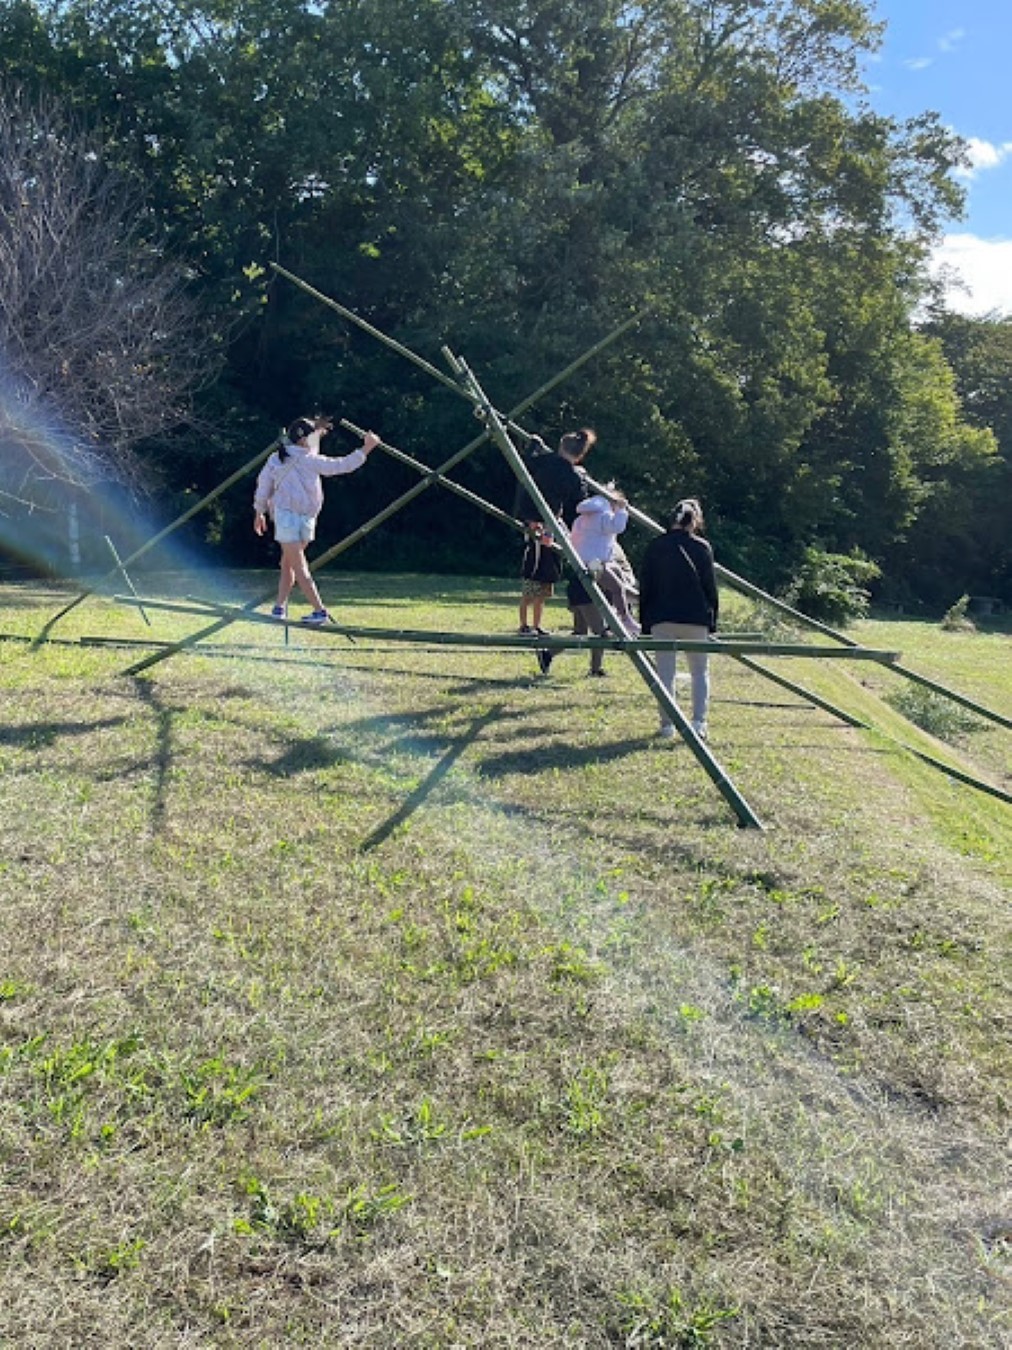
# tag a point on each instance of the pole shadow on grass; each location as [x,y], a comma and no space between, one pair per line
[40,735]
[162,759]
[431,782]
[565,756]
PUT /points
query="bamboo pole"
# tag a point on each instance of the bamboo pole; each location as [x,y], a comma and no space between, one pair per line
[552,641]
[756,593]
[156,539]
[126,576]
[441,479]
[435,475]
[434,371]
[949,770]
[744,812]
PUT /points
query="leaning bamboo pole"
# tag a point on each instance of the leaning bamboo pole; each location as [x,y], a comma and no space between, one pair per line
[426,472]
[712,766]
[434,476]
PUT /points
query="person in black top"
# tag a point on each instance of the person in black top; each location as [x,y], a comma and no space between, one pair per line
[678,599]
[559,478]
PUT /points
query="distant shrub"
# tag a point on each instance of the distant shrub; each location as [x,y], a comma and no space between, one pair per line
[832,587]
[934,713]
[956,619]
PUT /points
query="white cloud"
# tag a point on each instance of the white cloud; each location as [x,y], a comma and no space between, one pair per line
[919,62]
[984,266]
[952,38]
[983,155]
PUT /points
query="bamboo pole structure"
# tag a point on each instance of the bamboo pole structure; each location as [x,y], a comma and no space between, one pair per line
[745,814]
[736,582]
[156,539]
[434,476]
[756,593]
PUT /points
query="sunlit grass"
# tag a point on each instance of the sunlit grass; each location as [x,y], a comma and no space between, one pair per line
[380,995]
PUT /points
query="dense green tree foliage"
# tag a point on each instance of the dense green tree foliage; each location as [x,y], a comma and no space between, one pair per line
[513,177]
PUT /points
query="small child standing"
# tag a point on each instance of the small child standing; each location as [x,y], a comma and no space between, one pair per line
[540,569]
[289,488]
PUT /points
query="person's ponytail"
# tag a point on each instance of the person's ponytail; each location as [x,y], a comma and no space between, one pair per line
[687,515]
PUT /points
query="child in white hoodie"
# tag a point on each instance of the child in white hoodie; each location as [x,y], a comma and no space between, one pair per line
[599,521]
[289,488]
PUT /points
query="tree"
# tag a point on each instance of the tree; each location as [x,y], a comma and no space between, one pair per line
[101,343]
[514,176]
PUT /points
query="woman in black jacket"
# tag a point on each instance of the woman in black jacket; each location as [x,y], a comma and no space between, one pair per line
[678,599]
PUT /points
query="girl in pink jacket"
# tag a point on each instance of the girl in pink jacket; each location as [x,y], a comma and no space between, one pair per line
[289,488]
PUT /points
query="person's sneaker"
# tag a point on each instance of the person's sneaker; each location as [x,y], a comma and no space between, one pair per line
[542,632]
[318,617]
[597,674]
[701,730]
[666,731]
[525,631]
[279,612]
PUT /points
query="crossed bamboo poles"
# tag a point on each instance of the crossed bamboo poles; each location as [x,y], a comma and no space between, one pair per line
[498,429]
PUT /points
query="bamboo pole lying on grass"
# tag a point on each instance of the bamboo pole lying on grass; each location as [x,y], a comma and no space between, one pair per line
[951,770]
[551,641]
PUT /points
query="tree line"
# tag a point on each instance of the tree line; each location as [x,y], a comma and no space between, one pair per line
[514,178]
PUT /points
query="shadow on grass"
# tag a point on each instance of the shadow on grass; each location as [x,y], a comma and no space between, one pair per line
[565,756]
[162,758]
[305,756]
[435,776]
[466,685]
[40,735]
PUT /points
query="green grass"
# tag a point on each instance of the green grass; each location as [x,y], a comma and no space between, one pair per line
[371,995]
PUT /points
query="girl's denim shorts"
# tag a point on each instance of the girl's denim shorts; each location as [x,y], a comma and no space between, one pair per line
[291,528]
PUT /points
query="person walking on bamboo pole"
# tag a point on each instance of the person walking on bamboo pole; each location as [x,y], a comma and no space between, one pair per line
[678,599]
[289,489]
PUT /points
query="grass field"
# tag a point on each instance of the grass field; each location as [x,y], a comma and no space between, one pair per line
[381,996]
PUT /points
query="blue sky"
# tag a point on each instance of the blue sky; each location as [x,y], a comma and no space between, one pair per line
[954,57]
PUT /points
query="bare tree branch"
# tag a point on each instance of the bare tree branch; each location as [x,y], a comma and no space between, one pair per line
[100,343]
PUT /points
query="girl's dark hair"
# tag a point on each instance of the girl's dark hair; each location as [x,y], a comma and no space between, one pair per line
[301,427]
[687,515]
[575,444]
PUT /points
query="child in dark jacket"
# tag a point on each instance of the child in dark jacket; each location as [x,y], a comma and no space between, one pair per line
[540,569]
